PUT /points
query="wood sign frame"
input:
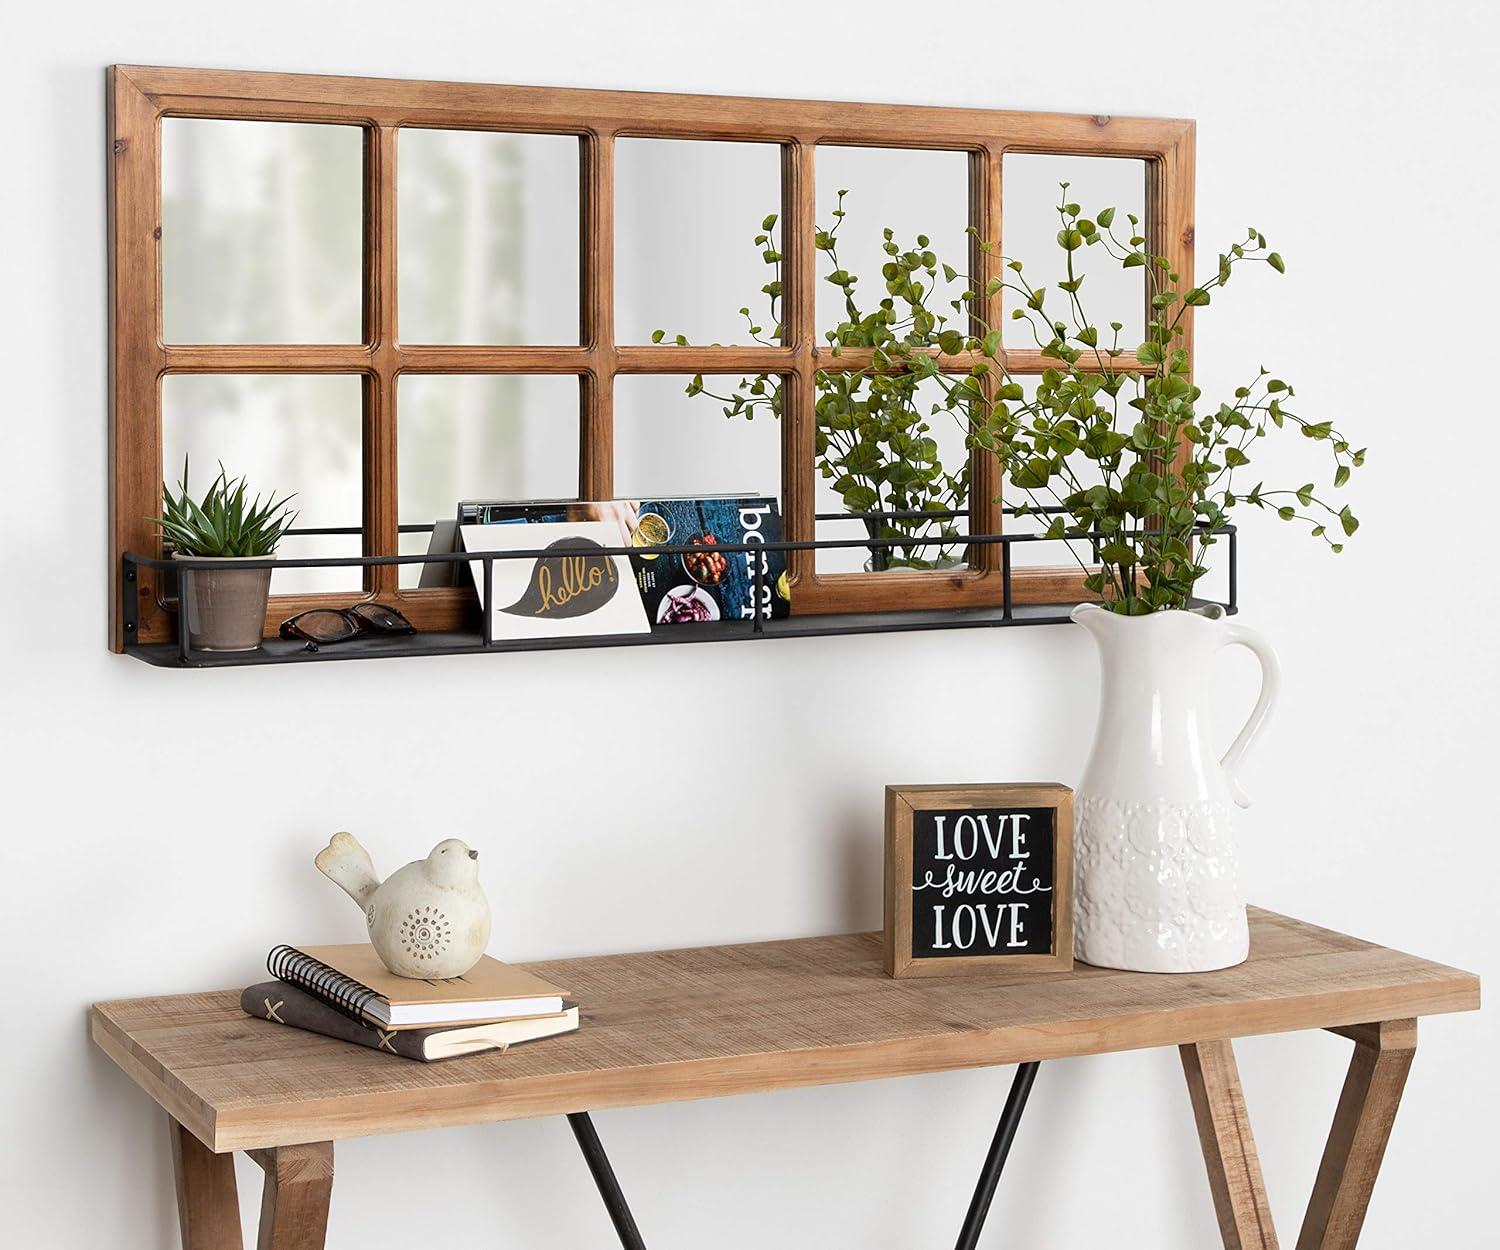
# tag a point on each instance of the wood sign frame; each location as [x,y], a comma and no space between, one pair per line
[902,806]
[140,97]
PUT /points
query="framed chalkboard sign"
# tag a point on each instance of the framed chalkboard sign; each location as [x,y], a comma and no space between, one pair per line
[978,877]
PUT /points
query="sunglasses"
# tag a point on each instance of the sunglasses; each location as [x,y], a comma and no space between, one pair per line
[322,626]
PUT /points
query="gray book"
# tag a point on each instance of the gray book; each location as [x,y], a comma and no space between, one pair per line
[282,1003]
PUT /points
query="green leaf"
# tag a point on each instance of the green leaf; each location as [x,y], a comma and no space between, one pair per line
[1106,217]
[1341,475]
[658,335]
[1347,520]
[1118,552]
[1276,263]
[769,223]
[1196,298]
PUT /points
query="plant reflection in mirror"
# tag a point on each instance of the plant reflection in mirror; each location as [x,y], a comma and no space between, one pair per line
[1164,461]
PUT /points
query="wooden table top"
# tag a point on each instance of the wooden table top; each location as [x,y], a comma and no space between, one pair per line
[699,1023]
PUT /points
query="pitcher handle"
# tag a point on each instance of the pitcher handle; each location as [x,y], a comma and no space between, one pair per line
[1270,690]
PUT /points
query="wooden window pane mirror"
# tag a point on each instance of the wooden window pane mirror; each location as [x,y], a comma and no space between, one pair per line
[339,339]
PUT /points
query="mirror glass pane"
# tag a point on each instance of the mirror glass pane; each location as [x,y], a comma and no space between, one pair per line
[262,232]
[687,214]
[498,437]
[1070,555]
[670,443]
[1031,223]
[283,434]
[922,198]
[487,237]
[912,192]
[854,475]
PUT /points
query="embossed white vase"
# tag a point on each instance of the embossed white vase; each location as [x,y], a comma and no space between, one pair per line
[1156,863]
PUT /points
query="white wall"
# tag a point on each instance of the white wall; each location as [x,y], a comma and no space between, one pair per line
[158,826]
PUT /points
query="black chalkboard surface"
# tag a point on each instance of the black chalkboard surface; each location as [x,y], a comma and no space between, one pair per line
[978,876]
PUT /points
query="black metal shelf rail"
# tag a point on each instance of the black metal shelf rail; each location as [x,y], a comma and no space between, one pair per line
[482,640]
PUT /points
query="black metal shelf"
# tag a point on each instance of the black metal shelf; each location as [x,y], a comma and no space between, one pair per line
[477,642]
[280,651]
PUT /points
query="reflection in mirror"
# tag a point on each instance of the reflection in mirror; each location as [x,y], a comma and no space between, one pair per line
[480,437]
[911,191]
[669,443]
[1070,555]
[283,434]
[1032,195]
[262,232]
[687,214]
[852,471]
[905,457]
[487,237]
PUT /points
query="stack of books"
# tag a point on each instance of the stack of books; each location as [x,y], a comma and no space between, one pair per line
[347,993]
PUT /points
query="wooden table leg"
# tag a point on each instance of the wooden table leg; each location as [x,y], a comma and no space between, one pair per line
[1234,1174]
[1361,1127]
[208,1205]
[294,1208]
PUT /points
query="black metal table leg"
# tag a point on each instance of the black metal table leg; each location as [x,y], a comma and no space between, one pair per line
[989,1176]
[604,1177]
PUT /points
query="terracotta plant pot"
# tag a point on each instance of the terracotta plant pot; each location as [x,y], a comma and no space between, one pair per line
[225,608]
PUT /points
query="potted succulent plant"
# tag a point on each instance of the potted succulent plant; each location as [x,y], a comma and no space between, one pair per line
[224,609]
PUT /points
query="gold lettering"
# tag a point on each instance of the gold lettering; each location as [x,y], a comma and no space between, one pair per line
[577,576]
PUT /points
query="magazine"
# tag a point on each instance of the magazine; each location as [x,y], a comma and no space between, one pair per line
[699,586]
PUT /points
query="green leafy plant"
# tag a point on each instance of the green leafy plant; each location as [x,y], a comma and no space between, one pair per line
[874,441]
[1106,447]
[1111,446]
[224,523]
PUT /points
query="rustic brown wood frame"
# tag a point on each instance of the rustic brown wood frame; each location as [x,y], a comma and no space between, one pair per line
[901,806]
[139,97]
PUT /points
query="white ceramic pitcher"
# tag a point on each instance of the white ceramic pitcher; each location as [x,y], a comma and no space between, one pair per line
[1156,862]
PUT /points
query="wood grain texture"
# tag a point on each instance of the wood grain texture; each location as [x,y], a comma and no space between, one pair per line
[557,110]
[379,437]
[208,1202]
[141,96]
[135,357]
[799,208]
[673,1025]
[294,1204]
[596,275]
[1351,1161]
[1234,1175]
[901,805]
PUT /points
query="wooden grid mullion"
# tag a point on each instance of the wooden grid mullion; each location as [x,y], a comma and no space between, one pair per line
[381,497]
[984,264]
[799,331]
[596,276]
[1169,203]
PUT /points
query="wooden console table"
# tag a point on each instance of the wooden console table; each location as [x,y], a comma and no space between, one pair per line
[686,1024]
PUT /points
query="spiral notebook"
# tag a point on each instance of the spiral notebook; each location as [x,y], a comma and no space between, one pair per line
[351,979]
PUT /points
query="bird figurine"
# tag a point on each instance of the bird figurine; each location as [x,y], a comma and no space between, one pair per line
[429,919]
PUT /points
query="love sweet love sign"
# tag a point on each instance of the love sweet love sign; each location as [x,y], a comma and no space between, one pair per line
[978,877]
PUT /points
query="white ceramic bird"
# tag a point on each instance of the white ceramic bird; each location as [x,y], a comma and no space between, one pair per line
[429,919]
